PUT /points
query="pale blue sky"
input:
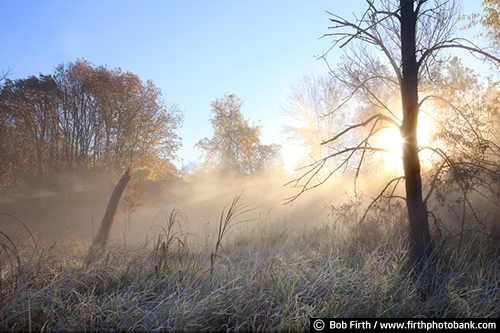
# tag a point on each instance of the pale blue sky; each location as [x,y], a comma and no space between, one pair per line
[195,51]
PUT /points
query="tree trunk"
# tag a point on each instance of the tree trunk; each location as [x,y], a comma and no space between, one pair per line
[102,235]
[419,235]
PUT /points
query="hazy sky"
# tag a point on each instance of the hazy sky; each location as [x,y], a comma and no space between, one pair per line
[194,51]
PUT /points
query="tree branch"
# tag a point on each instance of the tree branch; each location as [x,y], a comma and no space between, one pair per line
[397,180]
[376,117]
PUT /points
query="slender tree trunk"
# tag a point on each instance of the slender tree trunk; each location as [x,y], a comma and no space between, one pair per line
[101,238]
[419,235]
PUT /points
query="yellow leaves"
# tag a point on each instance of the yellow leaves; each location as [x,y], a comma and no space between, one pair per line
[83,117]
[235,145]
[133,198]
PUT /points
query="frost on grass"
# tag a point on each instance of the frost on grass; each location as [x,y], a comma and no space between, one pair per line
[263,278]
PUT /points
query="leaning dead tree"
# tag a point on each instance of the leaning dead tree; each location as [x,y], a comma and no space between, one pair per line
[101,238]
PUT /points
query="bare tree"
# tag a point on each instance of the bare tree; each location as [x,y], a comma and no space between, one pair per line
[395,45]
[312,115]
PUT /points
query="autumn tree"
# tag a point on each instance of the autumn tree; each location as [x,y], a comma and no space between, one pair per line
[86,118]
[13,164]
[489,20]
[29,111]
[235,145]
[465,149]
[112,119]
[470,132]
[394,46]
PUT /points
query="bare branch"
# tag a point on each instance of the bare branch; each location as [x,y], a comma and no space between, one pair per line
[315,167]
[376,117]
[5,74]
[363,34]
[363,85]
[458,44]
[397,180]
[433,182]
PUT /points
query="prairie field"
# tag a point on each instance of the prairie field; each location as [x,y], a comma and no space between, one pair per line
[248,273]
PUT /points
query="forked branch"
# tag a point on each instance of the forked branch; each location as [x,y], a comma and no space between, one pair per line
[362,147]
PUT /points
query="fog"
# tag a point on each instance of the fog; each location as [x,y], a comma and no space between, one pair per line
[75,207]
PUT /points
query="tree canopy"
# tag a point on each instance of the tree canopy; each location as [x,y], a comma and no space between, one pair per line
[83,117]
[235,145]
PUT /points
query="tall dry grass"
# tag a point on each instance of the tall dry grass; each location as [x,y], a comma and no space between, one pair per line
[263,278]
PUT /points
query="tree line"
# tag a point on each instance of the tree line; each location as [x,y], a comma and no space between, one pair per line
[83,117]
[101,120]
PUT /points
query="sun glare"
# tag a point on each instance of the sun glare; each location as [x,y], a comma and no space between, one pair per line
[424,131]
[390,140]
